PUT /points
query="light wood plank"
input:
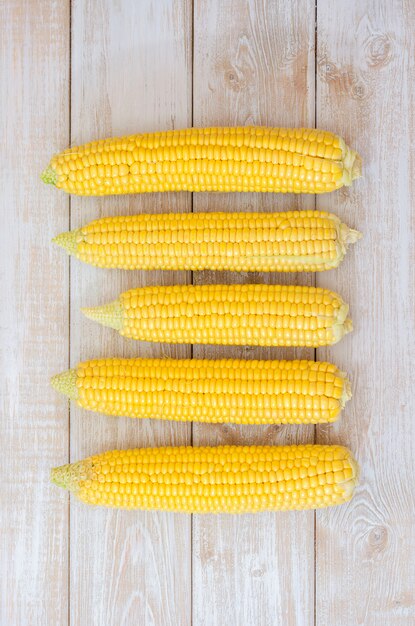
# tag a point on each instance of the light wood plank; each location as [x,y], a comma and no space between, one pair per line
[131,72]
[34,96]
[365,562]
[253,64]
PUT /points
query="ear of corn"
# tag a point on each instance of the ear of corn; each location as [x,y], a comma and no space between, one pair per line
[260,315]
[207,159]
[227,390]
[225,479]
[296,241]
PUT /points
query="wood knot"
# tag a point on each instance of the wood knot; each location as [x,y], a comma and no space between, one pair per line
[357,89]
[274,431]
[377,541]
[227,433]
[404,601]
[343,79]
[258,572]
[328,70]
[237,80]
[379,50]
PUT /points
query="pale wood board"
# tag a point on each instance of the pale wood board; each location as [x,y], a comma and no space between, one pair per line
[131,70]
[253,64]
[366,91]
[137,66]
[34,71]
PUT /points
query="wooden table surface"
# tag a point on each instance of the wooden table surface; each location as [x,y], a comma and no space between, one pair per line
[73,71]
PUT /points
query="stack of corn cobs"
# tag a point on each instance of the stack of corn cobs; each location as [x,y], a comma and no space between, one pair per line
[232,479]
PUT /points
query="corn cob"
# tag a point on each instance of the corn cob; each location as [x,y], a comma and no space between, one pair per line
[258,315]
[207,159]
[228,390]
[224,479]
[296,241]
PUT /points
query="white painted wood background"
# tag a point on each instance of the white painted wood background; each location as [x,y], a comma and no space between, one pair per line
[73,71]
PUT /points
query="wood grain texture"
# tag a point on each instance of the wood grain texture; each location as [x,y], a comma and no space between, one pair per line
[34,70]
[253,64]
[131,72]
[133,67]
[366,78]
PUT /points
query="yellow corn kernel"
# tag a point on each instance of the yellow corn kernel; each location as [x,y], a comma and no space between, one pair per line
[150,162]
[265,315]
[213,391]
[296,241]
[223,479]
